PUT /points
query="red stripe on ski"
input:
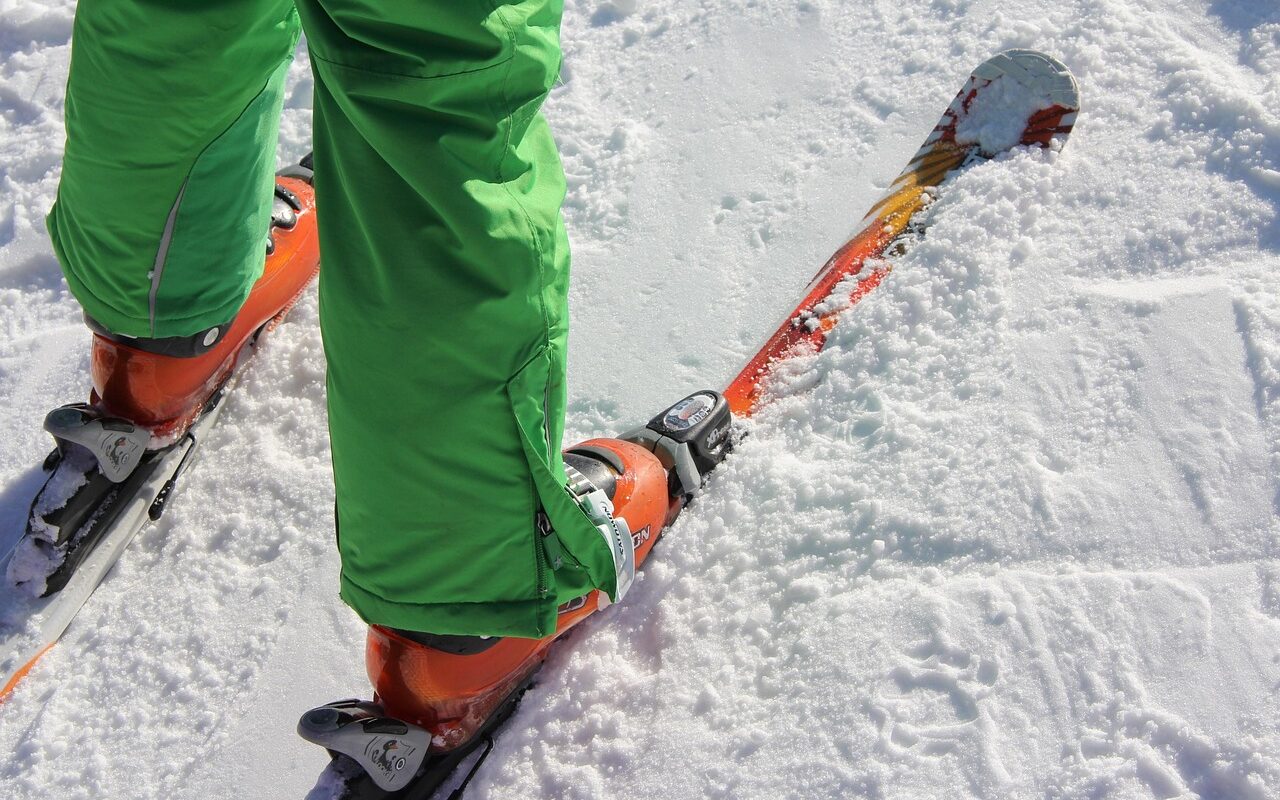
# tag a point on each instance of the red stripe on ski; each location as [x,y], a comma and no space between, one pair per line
[804,331]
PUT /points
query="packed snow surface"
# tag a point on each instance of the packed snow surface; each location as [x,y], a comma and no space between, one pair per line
[1012,535]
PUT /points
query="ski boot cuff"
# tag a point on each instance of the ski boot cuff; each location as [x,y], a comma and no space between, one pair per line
[190,346]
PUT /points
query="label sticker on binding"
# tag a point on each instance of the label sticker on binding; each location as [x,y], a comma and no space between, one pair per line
[689,412]
[388,754]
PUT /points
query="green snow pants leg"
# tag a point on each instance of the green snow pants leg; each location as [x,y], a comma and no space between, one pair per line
[172,113]
[443,307]
[444,278]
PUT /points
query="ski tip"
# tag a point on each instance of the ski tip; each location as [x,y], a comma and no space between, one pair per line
[1037,71]
[1026,83]
[1017,97]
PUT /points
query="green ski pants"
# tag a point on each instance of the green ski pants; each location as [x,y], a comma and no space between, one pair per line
[445,265]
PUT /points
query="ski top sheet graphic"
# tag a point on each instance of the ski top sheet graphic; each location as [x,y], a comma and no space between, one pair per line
[1018,97]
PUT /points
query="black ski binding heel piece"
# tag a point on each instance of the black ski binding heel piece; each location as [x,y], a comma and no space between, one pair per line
[376,757]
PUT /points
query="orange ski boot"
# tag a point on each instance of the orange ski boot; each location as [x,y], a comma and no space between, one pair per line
[439,697]
[451,685]
[119,455]
[163,384]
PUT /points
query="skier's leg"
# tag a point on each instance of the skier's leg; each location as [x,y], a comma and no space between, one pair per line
[172,112]
[454,688]
[443,307]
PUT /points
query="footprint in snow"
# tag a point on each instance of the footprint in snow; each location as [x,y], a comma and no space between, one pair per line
[932,699]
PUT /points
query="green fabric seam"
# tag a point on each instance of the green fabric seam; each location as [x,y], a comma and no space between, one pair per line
[353,68]
[176,210]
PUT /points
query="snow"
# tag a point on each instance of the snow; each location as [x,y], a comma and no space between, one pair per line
[1013,534]
[35,558]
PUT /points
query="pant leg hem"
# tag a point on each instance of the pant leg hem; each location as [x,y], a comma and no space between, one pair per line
[523,618]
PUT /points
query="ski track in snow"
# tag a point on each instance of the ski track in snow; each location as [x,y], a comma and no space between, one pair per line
[1013,534]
